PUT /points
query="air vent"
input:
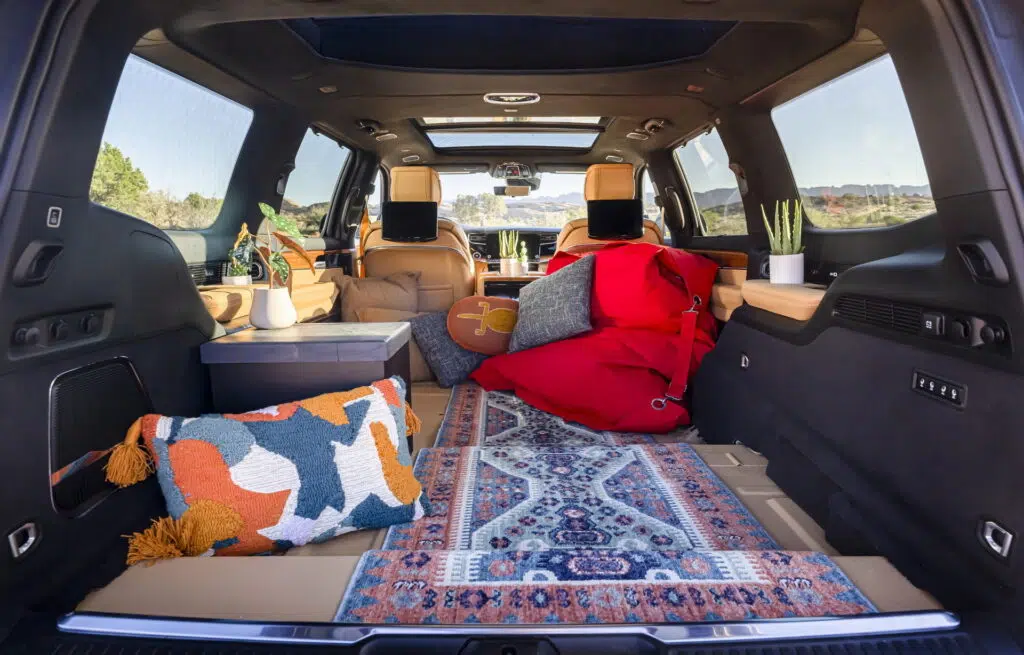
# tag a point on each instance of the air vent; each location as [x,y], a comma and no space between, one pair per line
[877,312]
[208,273]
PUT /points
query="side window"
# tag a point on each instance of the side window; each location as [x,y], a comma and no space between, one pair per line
[373,204]
[652,211]
[318,165]
[169,148]
[853,151]
[705,164]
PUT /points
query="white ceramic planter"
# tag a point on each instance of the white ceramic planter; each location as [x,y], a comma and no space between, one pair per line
[505,267]
[272,309]
[786,269]
[236,280]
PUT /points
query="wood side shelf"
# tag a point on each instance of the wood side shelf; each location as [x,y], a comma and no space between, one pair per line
[795,301]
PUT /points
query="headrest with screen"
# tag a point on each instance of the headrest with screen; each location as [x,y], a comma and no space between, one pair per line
[615,219]
[408,221]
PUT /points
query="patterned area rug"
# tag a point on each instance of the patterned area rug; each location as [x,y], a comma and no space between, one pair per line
[446,587]
[655,497]
[494,418]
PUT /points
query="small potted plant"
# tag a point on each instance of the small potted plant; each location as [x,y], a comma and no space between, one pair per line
[507,240]
[272,307]
[786,262]
[524,259]
[240,260]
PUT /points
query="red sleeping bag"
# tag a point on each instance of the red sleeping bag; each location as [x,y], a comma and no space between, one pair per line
[649,309]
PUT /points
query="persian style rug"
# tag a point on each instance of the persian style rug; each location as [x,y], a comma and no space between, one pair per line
[494,418]
[654,497]
[595,586]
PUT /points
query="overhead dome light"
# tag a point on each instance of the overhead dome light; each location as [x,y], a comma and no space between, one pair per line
[386,136]
[615,159]
[408,159]
[637,136]
[328,89]
[511,98]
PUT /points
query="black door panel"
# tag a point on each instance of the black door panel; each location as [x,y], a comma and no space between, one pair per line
[846,402]
[132,280]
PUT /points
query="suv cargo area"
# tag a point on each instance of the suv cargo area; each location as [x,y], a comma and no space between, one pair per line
[679,327]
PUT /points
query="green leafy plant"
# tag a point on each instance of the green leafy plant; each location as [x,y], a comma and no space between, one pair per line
[507,240]
[786,238]
[240,255]
[272,245]
[524,254]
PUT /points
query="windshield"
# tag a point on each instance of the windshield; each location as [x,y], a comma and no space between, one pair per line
[469,200]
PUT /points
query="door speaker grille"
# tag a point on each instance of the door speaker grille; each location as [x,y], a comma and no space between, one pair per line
[91,408]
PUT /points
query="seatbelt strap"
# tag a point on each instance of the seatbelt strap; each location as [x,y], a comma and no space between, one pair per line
[687,335]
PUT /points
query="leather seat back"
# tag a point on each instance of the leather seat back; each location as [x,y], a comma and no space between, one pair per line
[604,182]
[446,268]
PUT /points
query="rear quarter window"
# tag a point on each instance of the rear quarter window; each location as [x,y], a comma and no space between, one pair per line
[854,153]
[169,149]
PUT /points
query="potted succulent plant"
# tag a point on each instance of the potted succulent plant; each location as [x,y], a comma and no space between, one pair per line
[507,241]
[786,262]
[272,307]
[524,259]
[240,260]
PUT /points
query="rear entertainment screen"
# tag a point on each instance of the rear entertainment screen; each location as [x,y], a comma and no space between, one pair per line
[615,219]
[408,221]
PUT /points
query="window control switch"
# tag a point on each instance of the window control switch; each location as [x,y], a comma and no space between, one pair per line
[933,323]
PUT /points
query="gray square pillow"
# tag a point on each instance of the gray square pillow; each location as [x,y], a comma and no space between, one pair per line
[555,307]
[450,362]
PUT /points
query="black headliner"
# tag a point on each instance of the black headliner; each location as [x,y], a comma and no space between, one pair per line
[762,45]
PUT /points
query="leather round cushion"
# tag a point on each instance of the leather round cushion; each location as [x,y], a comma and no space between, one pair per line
[483,324]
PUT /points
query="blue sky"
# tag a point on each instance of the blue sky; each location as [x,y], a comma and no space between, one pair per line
[854,130]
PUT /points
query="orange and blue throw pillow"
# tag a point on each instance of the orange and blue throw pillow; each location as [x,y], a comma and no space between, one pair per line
[274,478]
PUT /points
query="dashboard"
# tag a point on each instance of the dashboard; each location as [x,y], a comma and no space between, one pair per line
[540,242]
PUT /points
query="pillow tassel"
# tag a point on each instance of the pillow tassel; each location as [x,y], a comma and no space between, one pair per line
[129,462]
[412,422]
[164,539]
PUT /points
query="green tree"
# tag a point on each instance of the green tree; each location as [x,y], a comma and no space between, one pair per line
[466,209]
[492,207]
[116,183]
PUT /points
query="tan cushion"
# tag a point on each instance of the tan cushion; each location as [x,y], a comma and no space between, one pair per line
[238,588]
[395,291]
[430,402]
[446,267]
[418,368]
[574,237]
[610,182]
[226,303]
[415,184]
[884,585]
[736,276]
[795,301]
[315,300]
[725,298]
[349,544]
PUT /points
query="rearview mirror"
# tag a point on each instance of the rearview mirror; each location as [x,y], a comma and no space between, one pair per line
[517,191]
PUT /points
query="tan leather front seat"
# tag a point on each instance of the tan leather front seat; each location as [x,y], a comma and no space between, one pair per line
[446,268]
[604,182]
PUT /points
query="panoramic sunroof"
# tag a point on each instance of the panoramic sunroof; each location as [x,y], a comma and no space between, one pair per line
[537,120]
[508,43]
[447,139]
